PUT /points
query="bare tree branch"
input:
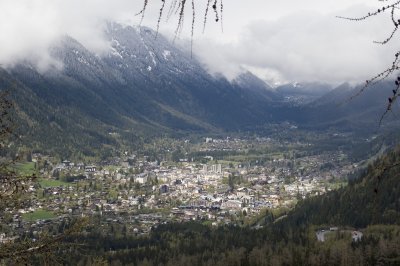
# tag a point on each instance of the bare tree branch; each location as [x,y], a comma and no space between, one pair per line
[393,6]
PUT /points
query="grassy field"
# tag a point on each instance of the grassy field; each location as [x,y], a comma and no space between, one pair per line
[111,168]
[25,169]
[52,183]
[38,215]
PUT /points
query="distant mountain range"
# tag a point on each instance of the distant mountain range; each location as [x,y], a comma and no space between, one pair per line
[146,86]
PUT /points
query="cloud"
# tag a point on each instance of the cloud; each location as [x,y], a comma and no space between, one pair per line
[304,46]
[29,27]
[279,41]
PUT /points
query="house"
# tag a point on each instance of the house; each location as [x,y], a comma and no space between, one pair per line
[125,164]
[241,192]
[216,168]
[141,179]
[356,236]
[90,169]
[231,205]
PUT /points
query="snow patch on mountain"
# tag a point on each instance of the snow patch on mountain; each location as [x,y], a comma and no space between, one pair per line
[166,54]
[152,55]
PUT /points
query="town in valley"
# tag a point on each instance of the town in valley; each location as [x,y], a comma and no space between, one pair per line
[214,180]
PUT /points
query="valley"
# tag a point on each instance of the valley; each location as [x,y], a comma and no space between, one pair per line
[210,179]
[145,87]
[167,163]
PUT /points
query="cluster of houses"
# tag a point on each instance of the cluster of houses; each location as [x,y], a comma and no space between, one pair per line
[145,193]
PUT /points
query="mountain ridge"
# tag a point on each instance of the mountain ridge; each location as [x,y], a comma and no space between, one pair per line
[145,86]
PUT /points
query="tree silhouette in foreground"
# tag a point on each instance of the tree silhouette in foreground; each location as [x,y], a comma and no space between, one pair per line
[390,8]
[179,8]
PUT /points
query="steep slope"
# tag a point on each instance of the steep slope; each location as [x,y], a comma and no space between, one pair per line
[344,108]
[373,198]
[299,94]
[141,87]
[145,79]
[253,84]
[55,130]
[174,79]
[144,85]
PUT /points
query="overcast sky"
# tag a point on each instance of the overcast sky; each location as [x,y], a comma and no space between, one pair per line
[280,41]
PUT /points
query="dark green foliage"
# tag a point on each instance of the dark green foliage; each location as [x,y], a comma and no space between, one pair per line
[371,199]
[196,244]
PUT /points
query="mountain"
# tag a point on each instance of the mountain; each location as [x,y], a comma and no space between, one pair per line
[353,107]
[146,79]
[145,86]
[142,86]
[302,93]
[253,84]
